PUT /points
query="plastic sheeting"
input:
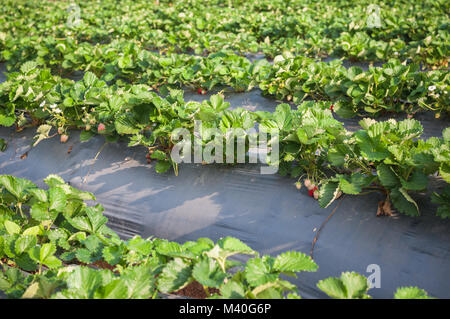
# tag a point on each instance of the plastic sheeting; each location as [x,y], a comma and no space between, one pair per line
[265,211]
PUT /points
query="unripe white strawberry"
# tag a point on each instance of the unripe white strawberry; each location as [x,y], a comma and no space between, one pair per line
[64,138]
[298,185]
[307,183]
[316,194]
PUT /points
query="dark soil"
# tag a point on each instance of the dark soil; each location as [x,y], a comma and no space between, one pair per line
[195,290]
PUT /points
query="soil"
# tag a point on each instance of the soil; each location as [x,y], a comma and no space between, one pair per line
[104,265]
[195,290]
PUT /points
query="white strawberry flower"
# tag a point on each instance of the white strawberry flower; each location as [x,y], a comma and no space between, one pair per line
[431,88]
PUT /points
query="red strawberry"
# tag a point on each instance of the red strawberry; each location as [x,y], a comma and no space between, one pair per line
[101,127]
[201,91]
[312,191]
[331,107]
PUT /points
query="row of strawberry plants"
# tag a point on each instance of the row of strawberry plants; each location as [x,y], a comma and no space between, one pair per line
[124,61]
[387,156]
[53,245]
[394,87]
[406,30]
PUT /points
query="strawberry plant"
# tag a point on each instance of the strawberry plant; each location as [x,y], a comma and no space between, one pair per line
[52,245]
[394,87]
[387,157]
[351,285]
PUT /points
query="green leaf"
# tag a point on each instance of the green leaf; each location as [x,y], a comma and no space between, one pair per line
[370,148]
[39,212]
[28,66]
[57,199]
[293,261]
[162,166]
[139,281]
[86,256]
[349,286]
[126,125]
[208,273]
[16,186]
[446,134]
[140,245]
[43,288]
[92,223]
[84,280]
[11,227]
[7,120]
[115,289]
[232,290]
[387,176]
[113,254]
[46,255]
[258,271]
[217,103]
[24,243]
[444,171]
[333,287]
[355,183]
[411,293]
[283,116]
[355,284]
[89,79]
[232,244]
[53,180]
[159,155]
[403,202]
[417,181]
[25,262]
[39,194]
[176,275]
[443,199]
[328,193]
[33,231]
[86,136]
